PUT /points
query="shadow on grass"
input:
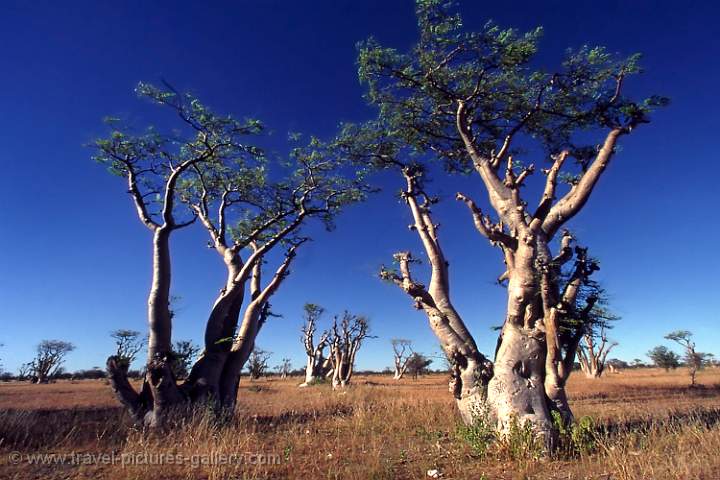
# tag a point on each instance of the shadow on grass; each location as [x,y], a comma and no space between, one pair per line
[268,423]
[701,417]
[22,429]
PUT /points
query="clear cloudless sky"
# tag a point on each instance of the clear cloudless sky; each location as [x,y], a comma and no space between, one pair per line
[75,261]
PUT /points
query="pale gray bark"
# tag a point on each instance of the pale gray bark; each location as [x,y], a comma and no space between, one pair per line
[316,366]
[402,350]
[592,353]
[516,391]
[255,316]
[345,341]
[471,371]
[159,318]
[534,357]
[215,376]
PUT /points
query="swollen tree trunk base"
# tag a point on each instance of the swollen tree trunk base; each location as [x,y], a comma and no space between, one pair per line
[473,408]
[516,393]
[161,400]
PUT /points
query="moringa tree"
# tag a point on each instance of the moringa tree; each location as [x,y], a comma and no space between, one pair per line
[346,338]
[471,371]
[128,343]
[246,208]
[693,359]
[593,351]
[49,359]
[474,102]
[153,164]
[402,351]
[284,368]
[317,366]
[595,346]
[209,171]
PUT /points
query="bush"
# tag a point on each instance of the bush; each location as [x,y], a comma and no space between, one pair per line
[575,439]
[481,434]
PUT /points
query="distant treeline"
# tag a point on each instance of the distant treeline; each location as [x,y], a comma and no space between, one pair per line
[98,373]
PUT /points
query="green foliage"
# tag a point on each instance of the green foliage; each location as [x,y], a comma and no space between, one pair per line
[211,166]
[492,72]
[417,364]
[663,357]
[155,163]
[522,442]
[577,438]
[480,435]
[183,356]
[317,381]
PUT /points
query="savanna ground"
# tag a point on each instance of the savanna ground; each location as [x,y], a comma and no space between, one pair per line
[647,424]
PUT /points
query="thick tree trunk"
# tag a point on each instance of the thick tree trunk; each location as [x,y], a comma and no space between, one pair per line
[205,376]
[401,366]
[160,393]
[309,371]
[590,365]
[314,368]
[516,392]
[159,318]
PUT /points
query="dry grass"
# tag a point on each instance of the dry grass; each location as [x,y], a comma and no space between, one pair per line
[648,425]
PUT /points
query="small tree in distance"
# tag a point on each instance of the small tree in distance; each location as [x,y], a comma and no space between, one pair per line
[593,351]
[317,365]
[637,363]
[49,359]
[346,337]
[183,353]
[257,363]
[284,368]
[418,364]
[402,352]
[128,343]
[693,359]
[663,357]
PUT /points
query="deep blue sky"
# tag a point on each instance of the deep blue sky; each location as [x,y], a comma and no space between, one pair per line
[74,260]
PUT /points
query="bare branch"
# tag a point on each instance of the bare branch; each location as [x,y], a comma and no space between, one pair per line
[499,193]
[138,198]
[485,226]
[575,199]
[550,186]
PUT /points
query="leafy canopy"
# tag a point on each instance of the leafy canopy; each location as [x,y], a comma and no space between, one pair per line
[492,73]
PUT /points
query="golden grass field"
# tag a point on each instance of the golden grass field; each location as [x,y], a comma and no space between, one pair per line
[648,425]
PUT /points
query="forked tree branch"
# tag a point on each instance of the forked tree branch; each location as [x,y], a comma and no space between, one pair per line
[484,225]
[575,199]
